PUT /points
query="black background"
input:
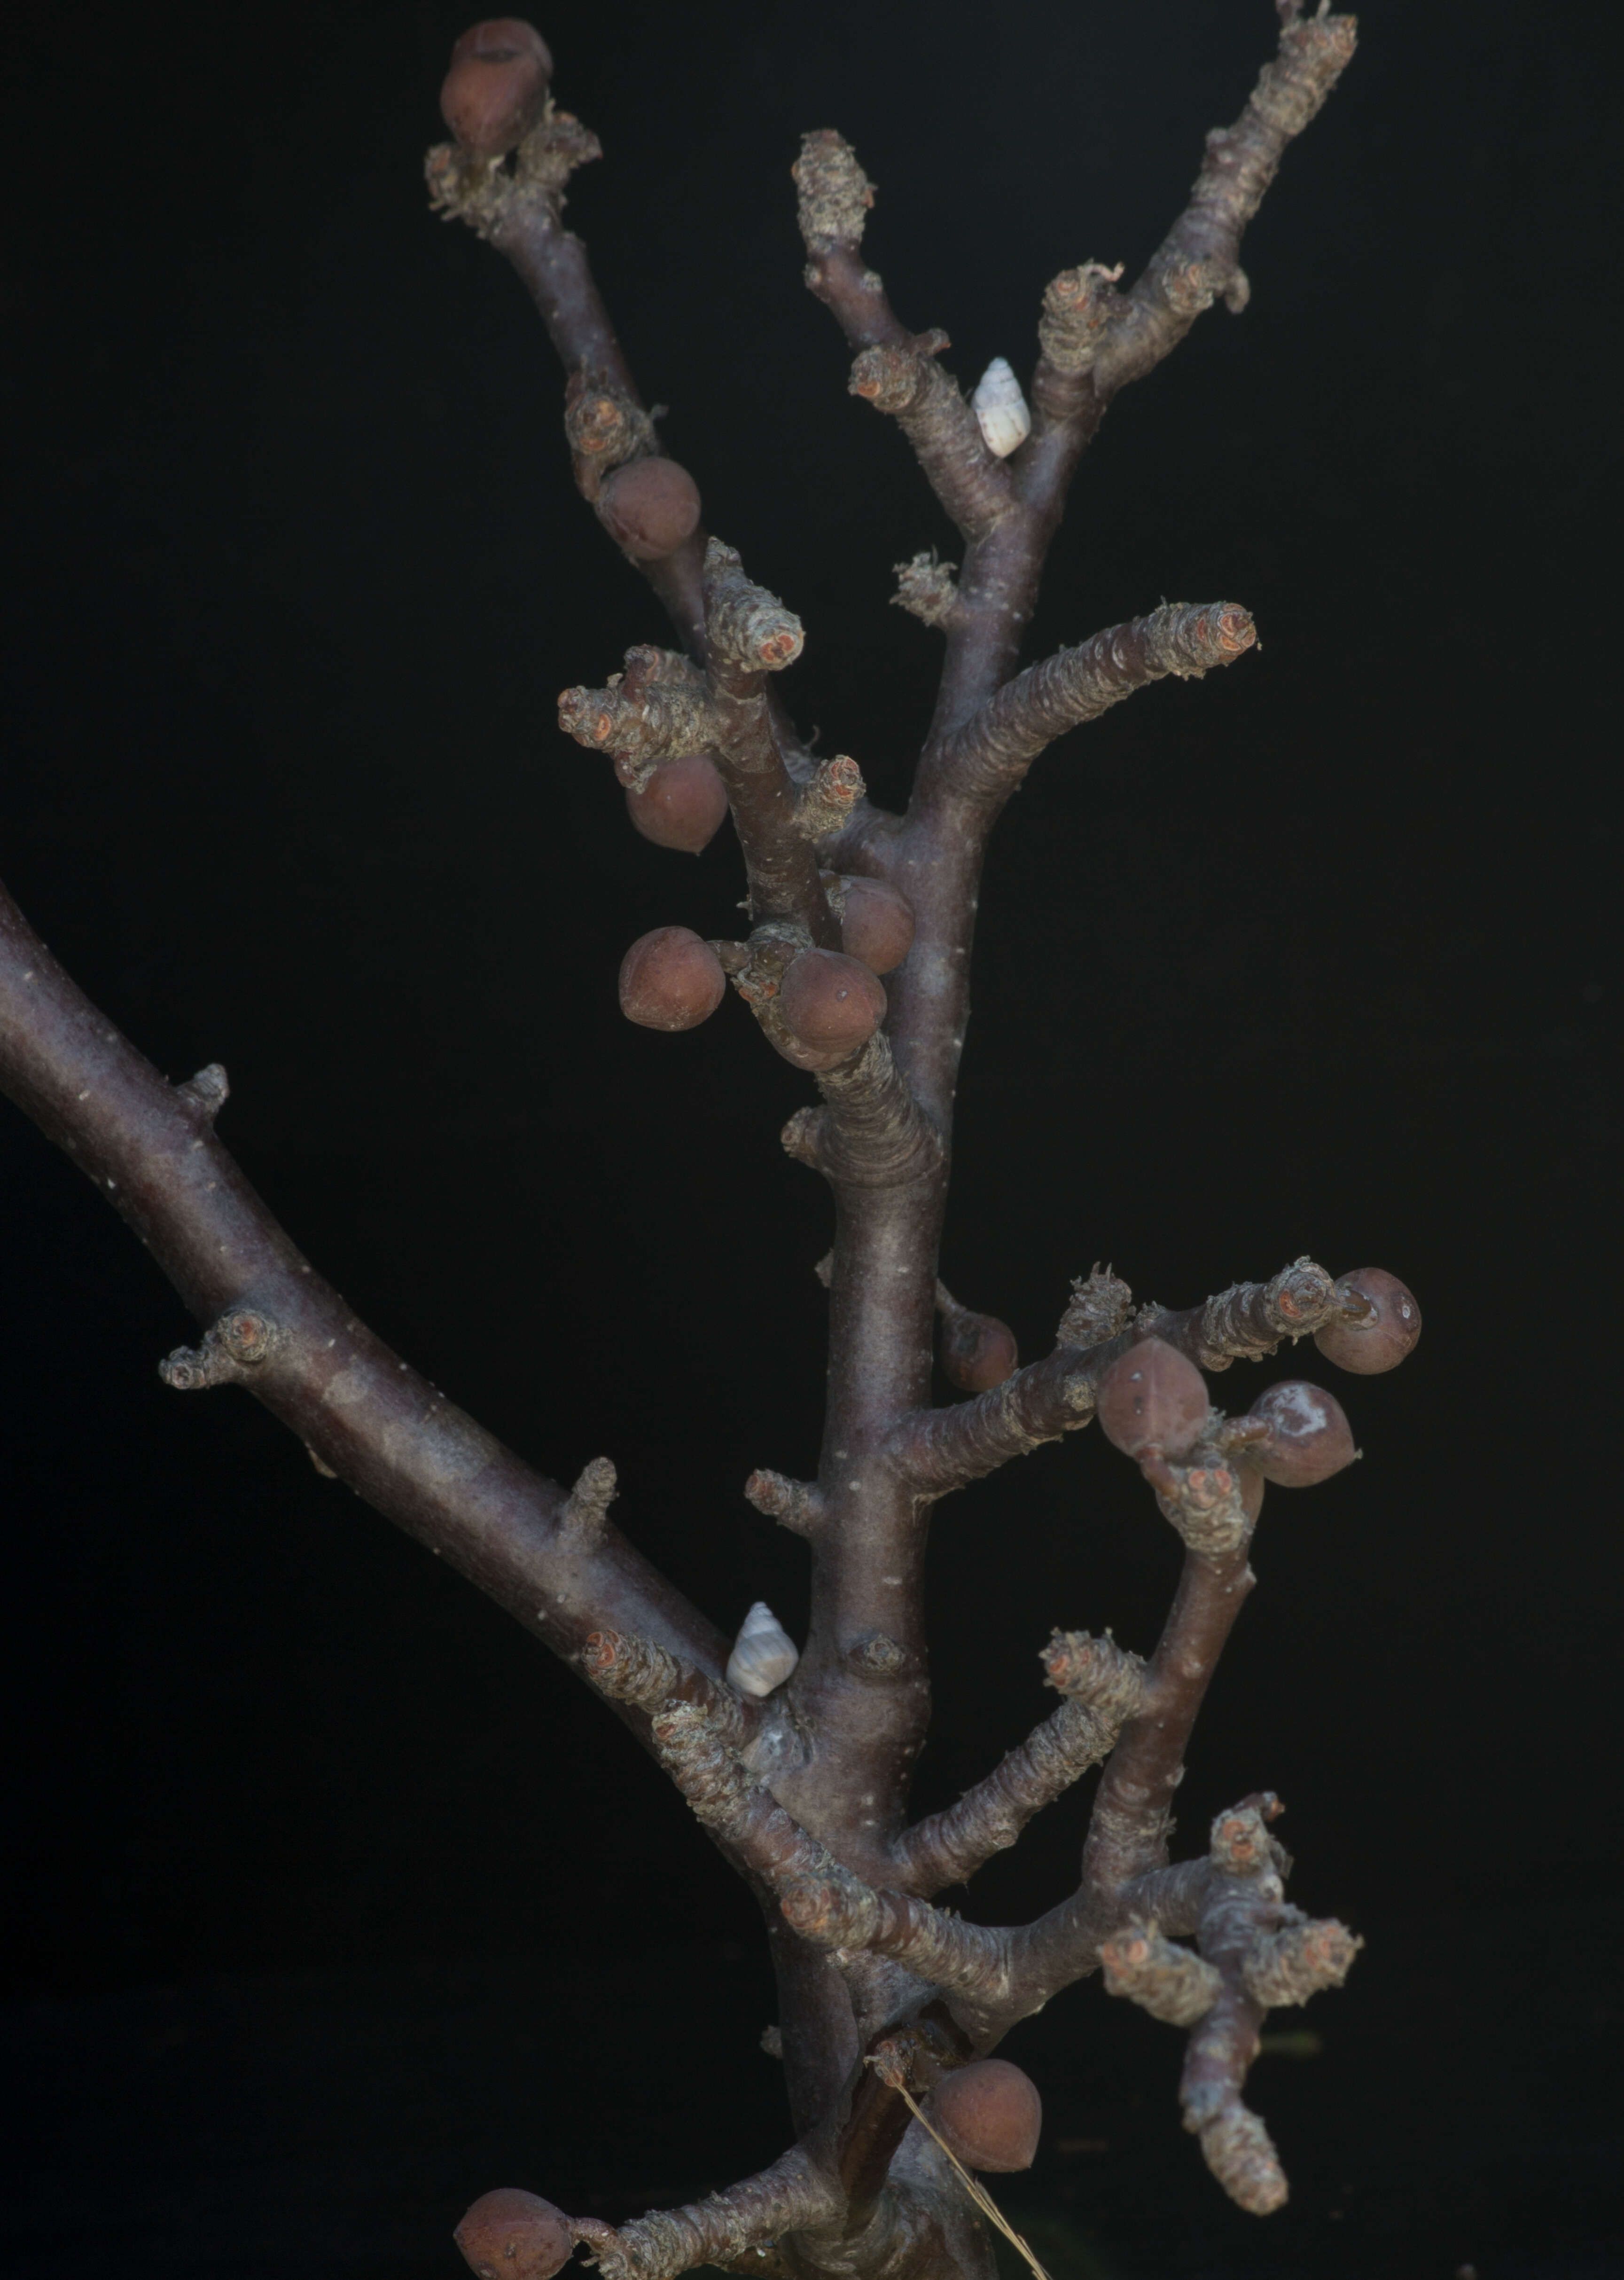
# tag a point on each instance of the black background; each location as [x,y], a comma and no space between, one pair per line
[335,1901]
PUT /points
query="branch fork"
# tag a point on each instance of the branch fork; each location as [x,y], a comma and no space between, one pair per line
[866,1957]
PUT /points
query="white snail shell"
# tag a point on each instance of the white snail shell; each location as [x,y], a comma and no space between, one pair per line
[1000,410]
[764,1654]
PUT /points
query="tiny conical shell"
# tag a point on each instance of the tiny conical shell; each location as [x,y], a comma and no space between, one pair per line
[1000,410]
[764,1654]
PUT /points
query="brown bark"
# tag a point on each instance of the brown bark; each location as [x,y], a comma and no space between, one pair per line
[807,1792]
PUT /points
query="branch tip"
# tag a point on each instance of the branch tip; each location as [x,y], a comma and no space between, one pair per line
[746,627]
[834,194]
[795,1504]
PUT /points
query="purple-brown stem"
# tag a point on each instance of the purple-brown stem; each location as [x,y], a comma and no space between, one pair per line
[808,1793]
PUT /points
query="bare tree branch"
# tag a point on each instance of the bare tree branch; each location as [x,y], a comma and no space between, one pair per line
[940,1450]
[280,1332]
[896,370]
[1258,1948]
[857,1945]
[1198,261]
[749,634]
[635,1670]
[990,754]
[973,487]
[794,2195]
[1102,1682]
[518,205]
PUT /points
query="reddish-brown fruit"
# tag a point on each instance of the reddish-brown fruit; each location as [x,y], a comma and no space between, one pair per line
[512,2235]
[877,924]
[682,805]
[990,2114]
[496,87]
[648,507]
[671,979]
[1152,1397]
[1382,1340]
[831,1004]
[978,1350]
[1310,1438]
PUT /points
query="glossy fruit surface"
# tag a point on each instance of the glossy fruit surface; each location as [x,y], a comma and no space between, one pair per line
[990,2114]
[682,805]
[496,87]
[1388,1332]
[671,979]
[513,2235]
[1151,1397]
[1310,1438]
[650,506]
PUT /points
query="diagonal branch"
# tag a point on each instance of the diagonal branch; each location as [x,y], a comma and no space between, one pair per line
[940,1450]
[517,206]
[740,1811]
[1111,338]
[749,634]
[987,759]
[838,1910]
[896,370]
[1198,261]
[793,2195]
[926,402]
[635,1670]
[1103,1683]
[1093,339]
[1132,1816]
[275,1329]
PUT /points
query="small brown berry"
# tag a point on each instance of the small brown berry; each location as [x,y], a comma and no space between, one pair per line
[681,804]
[648,507]
[513,2235]
[990,2114]
[978,1350]
[1387,1333]
[877,924]
[1310,1438]
[496,87]
[831,1004]
[1152,1396]
[671,979]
